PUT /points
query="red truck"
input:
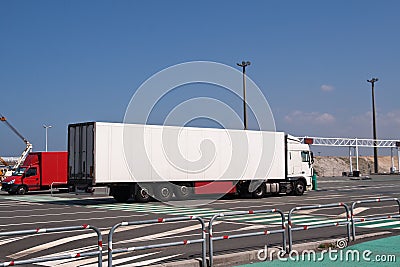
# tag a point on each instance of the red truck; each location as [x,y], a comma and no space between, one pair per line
[40,171]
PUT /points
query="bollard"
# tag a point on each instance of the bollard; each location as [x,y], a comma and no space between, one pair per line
[314,182]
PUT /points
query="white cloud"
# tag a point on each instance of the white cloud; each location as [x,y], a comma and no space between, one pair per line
[310,118]
[391,118]
[327,88]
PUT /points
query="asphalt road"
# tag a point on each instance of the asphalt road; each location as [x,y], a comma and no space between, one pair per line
[41,210]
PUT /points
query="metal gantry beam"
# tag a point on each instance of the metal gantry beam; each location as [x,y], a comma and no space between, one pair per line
[356,143]
[350,142]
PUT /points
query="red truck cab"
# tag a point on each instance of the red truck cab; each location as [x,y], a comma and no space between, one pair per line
[40,171]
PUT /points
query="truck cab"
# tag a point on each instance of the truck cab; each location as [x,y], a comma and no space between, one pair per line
[40,171]
[300,160]
[24,178]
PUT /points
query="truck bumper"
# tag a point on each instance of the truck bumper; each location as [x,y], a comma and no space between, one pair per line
[9,187]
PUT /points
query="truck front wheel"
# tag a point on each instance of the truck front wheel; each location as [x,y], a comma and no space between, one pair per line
[298,188]
[21,190]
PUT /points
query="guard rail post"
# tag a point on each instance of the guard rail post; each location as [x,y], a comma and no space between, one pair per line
[203,241]
[305,227]
[51,186]
[212,238]
[59,257]
[353,220]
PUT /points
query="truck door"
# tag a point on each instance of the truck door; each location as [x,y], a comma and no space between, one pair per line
[32,179]
[306,163]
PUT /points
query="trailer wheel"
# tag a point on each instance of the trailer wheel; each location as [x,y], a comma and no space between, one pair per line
[21,190]
[299,188]
[164,192]
[144,193]
[259,192]
[183,192]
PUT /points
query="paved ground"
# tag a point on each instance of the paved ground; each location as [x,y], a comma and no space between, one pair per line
[381,252]
[41,210]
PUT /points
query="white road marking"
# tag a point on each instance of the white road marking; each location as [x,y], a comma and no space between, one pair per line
[57,214]
[164,234]
[123,260]
[65,240]
[89,262]
[355,211]
[366,225]
[305,211]
[75,220]
[148,262]
[22,203]
[10,240]
[30,210]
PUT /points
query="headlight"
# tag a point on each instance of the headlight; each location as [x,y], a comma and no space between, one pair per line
[11,182]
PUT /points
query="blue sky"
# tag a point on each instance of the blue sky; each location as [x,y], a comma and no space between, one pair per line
[71,61]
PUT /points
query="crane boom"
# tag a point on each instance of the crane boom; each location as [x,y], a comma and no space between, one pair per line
[2,161]
[28,147]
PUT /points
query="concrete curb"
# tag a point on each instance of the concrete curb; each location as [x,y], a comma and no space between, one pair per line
[246,257]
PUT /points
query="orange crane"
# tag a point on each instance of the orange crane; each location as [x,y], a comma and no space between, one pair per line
[4,168]
[28,147]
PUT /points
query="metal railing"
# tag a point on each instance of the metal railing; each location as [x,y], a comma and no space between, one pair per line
[355,220]
[54,183]
[347,222]
[212,238]
[203,240]
[37,231]
[287,237]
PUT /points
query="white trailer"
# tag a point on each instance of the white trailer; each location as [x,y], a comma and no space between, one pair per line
[150,161]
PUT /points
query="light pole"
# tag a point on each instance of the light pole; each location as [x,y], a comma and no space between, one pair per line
[372,81]
[244,64]
[46,127]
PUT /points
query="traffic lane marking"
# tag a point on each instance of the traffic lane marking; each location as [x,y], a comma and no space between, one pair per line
[19,203]
[35,210]
[149,262]
[88,261]
[65,240]
[76,220]
[54,214]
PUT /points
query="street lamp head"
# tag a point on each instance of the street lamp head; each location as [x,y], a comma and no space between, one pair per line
[373,80]
[47,126]
[244,64]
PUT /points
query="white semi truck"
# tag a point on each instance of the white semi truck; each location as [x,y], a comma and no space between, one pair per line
[165,162]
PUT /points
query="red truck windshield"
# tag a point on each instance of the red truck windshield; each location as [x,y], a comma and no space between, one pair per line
[19,171]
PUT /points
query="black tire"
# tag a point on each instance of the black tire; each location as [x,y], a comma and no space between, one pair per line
[183,192]
[260,192]
[144,193]
[21,190]
[298,188]
[164,192]
[121,194]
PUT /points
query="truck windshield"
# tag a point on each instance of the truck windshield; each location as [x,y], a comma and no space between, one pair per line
[19,171]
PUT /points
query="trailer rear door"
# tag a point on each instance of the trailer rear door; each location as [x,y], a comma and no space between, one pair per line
[81,154]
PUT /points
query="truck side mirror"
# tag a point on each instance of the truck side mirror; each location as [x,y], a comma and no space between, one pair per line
[312,157]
